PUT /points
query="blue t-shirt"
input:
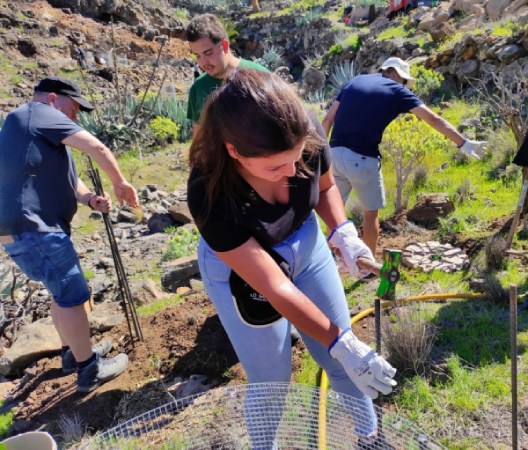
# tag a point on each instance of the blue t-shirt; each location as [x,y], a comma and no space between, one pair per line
[38,178]
[367,105]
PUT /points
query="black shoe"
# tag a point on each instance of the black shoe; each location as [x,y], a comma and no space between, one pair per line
[69,365]
[378,443]
[100,371]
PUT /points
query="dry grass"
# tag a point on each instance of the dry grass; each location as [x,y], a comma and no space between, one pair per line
[72,427]
[494,253]
[408,338]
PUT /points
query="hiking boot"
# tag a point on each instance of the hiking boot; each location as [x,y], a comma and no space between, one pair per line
[69,365]
[100,371]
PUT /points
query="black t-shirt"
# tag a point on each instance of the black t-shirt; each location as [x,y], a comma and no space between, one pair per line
[521,158]
[269,224]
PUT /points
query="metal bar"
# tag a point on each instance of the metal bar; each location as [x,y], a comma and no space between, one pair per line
[122,275]
[513,351]
[124,289]
[377,321]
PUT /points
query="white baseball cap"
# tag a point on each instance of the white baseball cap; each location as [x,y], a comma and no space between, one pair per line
[400,66]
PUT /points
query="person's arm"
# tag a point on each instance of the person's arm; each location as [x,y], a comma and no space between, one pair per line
[369,371]
[255,266]
[329,118]
[330,207]
[91,199]
[86,143]
[439,124]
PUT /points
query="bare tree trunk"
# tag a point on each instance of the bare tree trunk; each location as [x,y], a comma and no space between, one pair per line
[255,5]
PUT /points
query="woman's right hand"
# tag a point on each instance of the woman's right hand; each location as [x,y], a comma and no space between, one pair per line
[368,370]
[351,248]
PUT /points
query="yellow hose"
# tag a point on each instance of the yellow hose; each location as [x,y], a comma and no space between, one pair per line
[323,383]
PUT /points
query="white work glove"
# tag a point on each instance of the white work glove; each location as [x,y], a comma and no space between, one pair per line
[346,240]
[369,371]
[474,149]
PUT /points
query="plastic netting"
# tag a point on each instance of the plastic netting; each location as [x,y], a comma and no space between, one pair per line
[261,417]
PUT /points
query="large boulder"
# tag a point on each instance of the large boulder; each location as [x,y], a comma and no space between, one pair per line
[496,8]
[34,341]
[313,79]
[430,208]
[176,272]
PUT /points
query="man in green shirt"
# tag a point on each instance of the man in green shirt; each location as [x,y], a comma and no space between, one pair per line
[210,45]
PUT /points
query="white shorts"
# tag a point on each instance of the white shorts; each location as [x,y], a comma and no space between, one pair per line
[361,173]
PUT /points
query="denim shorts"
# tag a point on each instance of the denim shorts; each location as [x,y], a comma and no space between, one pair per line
[51,259]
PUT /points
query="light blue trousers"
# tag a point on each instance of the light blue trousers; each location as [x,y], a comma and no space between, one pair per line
[265,353]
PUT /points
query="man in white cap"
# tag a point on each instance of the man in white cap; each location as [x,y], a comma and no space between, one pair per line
[359,116]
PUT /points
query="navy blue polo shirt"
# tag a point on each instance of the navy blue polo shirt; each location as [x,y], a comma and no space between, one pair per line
[367,105]
[38,179]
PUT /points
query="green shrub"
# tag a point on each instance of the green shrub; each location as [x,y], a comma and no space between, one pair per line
[427,82]
[6,421]
[504,147]
[402,30]
[406,142]
[505,28]
[450,226]
[183,243]
[352,42]
[89,274]
[419,180]
[335,50]
[164,129]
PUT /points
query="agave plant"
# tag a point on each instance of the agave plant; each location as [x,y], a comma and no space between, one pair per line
[317,97]
[271,59]
[119,134]
[341,75]
[309,17]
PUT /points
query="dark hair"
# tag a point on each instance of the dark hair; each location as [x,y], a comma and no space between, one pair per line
[205,26]
[260,115]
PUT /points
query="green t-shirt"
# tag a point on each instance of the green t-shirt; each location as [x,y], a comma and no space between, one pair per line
[205,84]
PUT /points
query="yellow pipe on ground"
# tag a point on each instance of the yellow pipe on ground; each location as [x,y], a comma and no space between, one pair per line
[323,382]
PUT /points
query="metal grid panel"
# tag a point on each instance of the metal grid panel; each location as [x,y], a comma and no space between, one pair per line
[258,417]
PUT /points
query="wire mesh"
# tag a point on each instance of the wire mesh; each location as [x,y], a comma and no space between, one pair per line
[264,416]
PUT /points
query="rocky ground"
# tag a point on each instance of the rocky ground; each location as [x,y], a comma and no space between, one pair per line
[185,351]
[38,40]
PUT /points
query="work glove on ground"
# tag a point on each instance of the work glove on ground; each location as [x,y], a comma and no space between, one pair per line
[345,239]
[475,149]
[369,371]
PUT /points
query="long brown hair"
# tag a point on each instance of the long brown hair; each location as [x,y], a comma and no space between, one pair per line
[261,115]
